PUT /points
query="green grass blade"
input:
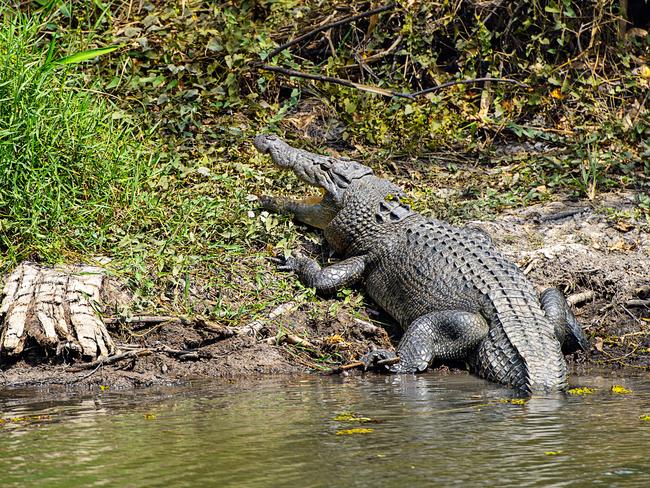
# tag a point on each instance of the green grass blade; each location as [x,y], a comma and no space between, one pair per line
[50,52]
[86,55]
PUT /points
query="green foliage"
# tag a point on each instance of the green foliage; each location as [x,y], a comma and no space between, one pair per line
[87,55]
[193,68]
[67,167]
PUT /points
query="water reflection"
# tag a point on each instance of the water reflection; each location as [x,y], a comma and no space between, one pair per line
[428,430]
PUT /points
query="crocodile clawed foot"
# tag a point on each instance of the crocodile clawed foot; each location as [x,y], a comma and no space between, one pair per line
[379,360]
[382,360]
[270,204]
[289,264]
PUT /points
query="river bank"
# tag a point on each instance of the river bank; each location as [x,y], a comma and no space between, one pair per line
[601,265]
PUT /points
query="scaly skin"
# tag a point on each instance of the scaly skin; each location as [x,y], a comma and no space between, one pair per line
[455,294]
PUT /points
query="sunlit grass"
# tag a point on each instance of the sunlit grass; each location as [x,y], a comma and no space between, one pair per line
[66,166]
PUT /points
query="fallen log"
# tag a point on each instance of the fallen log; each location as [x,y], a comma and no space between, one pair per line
[57,307]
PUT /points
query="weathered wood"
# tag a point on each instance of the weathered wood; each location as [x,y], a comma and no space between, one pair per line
[56,307]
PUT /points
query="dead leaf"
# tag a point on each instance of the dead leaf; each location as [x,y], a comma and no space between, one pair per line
[644,72]
[621,245]
[623,226]
[333,339]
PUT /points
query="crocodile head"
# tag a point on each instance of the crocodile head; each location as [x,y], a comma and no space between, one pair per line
[331,174]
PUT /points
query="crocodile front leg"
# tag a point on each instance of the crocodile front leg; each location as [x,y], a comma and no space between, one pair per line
[328,279]
[315,211]
[567,328]
[445,335]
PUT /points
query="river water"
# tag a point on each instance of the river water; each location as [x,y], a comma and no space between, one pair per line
[426,430]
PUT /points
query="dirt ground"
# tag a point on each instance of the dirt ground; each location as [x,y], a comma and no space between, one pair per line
[601,263]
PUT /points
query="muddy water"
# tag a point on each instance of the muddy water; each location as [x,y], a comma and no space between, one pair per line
[429,430]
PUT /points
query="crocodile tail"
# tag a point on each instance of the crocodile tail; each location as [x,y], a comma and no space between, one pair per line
[521,350]
[540,351]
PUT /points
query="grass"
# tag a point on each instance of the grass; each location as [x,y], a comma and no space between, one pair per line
[79,180]
[68,169]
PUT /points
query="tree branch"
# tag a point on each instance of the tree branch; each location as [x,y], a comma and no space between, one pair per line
[336,81]
[382,91]
[464,82]
[325,27]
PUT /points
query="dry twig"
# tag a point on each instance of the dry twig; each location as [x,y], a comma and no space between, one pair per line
[141,319]
[578,298]
[290,339]
[361,365]
[369,328]
[256,325]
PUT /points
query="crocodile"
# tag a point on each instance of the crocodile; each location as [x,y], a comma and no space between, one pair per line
[456,296]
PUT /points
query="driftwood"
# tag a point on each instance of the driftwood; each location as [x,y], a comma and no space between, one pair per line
[56,308]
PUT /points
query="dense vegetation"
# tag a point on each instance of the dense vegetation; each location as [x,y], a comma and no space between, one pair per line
[143,154]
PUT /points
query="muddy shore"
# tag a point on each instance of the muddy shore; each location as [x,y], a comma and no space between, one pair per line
[603,265]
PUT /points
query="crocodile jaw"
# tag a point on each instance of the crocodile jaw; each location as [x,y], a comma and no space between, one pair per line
[331,174]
